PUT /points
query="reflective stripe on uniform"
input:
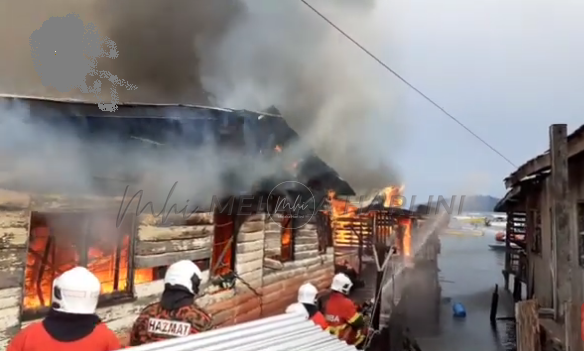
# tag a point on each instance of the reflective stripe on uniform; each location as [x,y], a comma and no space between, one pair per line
[354,318]
[359,338]
[334,330]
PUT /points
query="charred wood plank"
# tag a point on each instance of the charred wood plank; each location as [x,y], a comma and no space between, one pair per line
[13,201]
[11,278]
[528,332]
[14,229]
[167,259]
[151,233]
[172,219]
[145,248]
[12,263]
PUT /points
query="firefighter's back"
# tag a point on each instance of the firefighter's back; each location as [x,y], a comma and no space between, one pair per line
[36,338]
[336,310]
[156,323]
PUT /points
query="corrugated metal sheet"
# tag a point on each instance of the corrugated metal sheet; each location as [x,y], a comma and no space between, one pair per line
[285,332]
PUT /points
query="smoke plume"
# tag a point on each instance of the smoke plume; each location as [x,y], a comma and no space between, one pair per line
[237,54]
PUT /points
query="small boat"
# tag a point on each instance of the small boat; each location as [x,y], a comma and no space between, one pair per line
[500,237]
[501,247]
[497,247]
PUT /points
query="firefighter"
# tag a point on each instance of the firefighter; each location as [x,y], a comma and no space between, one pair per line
[342,314]
[307,305]
[71,324]
[176,314]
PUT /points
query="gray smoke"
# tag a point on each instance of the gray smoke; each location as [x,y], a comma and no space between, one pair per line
[158,44]
[237,54]
[328,90]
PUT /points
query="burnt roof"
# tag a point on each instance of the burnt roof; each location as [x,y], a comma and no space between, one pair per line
[154,126]
[377,204]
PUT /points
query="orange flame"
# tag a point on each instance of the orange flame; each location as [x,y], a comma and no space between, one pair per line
[393,196]
[290,167]
[407,223]
[63,257]
[344,216]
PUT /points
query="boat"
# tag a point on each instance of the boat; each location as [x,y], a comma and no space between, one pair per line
[501,247]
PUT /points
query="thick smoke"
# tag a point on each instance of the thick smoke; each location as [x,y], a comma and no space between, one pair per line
[159,41]
[234,54]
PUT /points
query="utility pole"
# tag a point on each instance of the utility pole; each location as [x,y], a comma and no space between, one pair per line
[568,278]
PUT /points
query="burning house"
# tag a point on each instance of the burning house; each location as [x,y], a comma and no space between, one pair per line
[358,225]
[253,260]
[365,233]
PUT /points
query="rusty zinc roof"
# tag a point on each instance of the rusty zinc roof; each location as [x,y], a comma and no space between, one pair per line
[543,162]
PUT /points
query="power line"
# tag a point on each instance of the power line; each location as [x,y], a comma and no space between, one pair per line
[405,81]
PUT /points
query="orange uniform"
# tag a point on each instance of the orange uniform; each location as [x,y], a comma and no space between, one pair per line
[35,337]
[343,318]
[319,320]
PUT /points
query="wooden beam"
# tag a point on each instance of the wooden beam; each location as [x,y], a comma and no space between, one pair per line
[572,326]
[151,233]
[528,332]
[507,270]
[147,248]
[575,146]
[167,259]
[560,216]
[573,307]
[532,166]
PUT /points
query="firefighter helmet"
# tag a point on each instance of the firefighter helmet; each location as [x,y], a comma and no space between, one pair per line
[341,283]
[307,294]
[76,291]
[184,273]
[297,308]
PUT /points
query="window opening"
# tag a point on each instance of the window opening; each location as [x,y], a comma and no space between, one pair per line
[59,242]
[287,238]
[223,260]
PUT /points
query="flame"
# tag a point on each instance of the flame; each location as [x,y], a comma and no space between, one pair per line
[393,196]
[345,218]
[286,230]
[407,248]
[62,256]
[292,166]
[286,238]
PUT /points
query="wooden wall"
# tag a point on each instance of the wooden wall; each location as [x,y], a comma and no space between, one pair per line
[266,291]
[14,224]
[272,243]
[540,265]
[160,242]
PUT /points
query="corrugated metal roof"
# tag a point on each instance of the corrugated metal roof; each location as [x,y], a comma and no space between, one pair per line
[285,332]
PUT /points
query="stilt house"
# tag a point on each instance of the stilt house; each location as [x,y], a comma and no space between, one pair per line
[254,256]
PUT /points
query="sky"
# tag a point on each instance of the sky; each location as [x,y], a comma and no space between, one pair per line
[506,69]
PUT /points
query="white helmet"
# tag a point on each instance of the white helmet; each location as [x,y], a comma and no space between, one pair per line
[307,294]
[184,273]
[341,283]
[299,309]
[76,291]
